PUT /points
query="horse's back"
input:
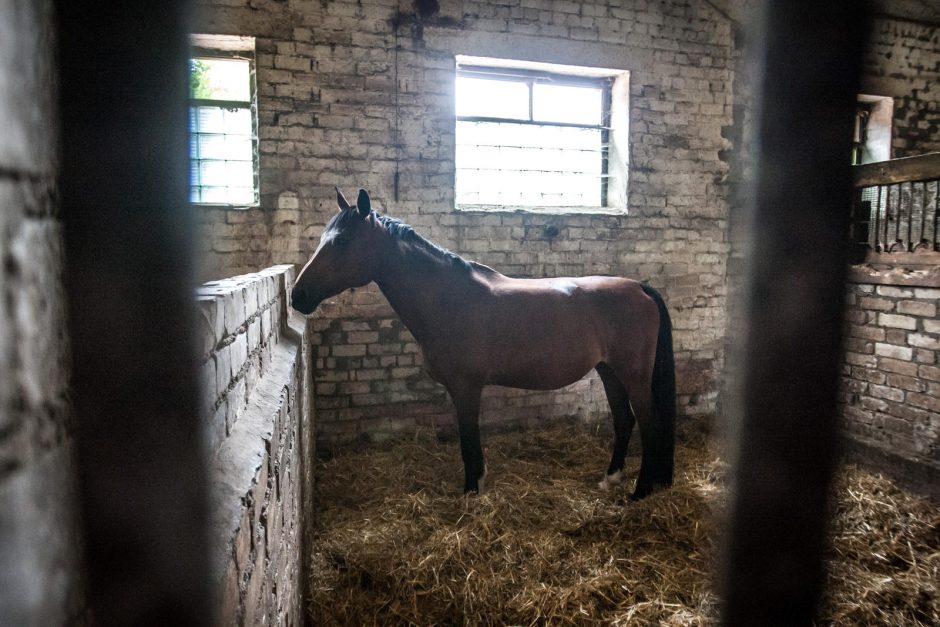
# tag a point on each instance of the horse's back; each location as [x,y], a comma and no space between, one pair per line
[547,333]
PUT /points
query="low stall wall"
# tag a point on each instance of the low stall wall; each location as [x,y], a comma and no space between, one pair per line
[891,373]
[258,425]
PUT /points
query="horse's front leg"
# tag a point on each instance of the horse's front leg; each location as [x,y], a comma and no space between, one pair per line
[467,401]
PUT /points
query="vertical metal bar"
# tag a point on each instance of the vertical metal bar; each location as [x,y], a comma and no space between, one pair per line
[130,276]
[605,139]
[888,217]
[786,437]
[936,215]
[878,221]
[910,217]
[898,210]
[923,214]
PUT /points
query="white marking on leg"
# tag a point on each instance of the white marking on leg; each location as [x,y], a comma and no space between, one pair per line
[610,480]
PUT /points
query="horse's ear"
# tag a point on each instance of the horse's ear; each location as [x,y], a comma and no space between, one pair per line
[341,200]
[364,203]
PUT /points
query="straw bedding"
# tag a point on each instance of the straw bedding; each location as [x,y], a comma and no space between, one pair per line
[397,545]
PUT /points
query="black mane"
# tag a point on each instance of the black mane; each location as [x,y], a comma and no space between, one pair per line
[406,233]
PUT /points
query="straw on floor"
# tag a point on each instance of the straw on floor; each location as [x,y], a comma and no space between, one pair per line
[395,543]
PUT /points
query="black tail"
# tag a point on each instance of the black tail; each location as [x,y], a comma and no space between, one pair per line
[664,388]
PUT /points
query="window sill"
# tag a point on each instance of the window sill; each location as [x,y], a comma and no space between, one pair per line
[201,205]
[542,211]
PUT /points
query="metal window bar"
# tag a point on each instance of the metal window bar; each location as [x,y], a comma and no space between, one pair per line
[904,204]
[904,216]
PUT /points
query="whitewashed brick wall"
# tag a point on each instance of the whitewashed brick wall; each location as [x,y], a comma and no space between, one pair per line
[328,116]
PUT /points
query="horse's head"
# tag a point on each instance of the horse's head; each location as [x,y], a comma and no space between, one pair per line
[346,257]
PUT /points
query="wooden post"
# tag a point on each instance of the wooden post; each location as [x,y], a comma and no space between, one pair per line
[787,435]
[130,276]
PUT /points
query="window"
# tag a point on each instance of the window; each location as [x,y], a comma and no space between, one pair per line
[223,138]
[872,137]
[539,136]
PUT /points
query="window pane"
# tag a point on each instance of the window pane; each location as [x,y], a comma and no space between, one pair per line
[528,165]
[565,103]
[219,79]
[237,121]
[207,120]
[481,97]
[222,162]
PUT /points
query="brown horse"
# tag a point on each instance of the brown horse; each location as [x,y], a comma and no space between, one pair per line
[477,327]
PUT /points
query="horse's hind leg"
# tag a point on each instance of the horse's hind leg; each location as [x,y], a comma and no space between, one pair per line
[623,418]
[656,467]
[467,402]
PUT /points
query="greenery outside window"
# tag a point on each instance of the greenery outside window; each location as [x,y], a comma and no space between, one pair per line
[222,122]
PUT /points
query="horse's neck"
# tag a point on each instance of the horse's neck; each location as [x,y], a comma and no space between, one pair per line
[421,291]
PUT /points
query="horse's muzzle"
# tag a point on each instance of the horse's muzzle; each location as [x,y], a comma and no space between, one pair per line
[305,301]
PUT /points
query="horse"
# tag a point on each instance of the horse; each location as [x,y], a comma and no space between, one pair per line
[477,327]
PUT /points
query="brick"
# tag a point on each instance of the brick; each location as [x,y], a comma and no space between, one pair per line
[879,304]
[858,346]
[349,350]
[887,393]
[869,333]
[362,337]
[923,341]
[870,376]
[897,366]
[929,372]
[895,352]
[927,293]
[924,356]
[923,401]
[896,336]
[917,308]
[897,321]
[859,359]
[911,384]
[894,292]
[932,326]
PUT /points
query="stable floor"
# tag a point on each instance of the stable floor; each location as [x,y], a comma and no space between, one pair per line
[396,544]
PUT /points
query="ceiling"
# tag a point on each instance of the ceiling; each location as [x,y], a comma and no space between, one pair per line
[921,11]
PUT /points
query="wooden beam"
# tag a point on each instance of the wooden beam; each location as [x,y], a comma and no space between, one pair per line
[921,168]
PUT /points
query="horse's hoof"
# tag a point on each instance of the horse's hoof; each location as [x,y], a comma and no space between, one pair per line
[641,493]
[610,481]
[645,491]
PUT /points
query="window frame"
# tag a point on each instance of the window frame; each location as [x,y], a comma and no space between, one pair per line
[204,50]
[531,73]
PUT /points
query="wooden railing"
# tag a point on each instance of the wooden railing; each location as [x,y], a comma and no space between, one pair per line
[897,207]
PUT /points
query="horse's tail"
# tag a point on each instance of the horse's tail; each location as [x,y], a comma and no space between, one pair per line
[664,387]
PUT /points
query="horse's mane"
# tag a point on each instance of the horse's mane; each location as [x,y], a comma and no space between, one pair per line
[406,233]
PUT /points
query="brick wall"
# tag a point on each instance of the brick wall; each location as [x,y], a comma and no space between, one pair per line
[40,547]
[257,423]
[339,87]
[890,394]
[904,62]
